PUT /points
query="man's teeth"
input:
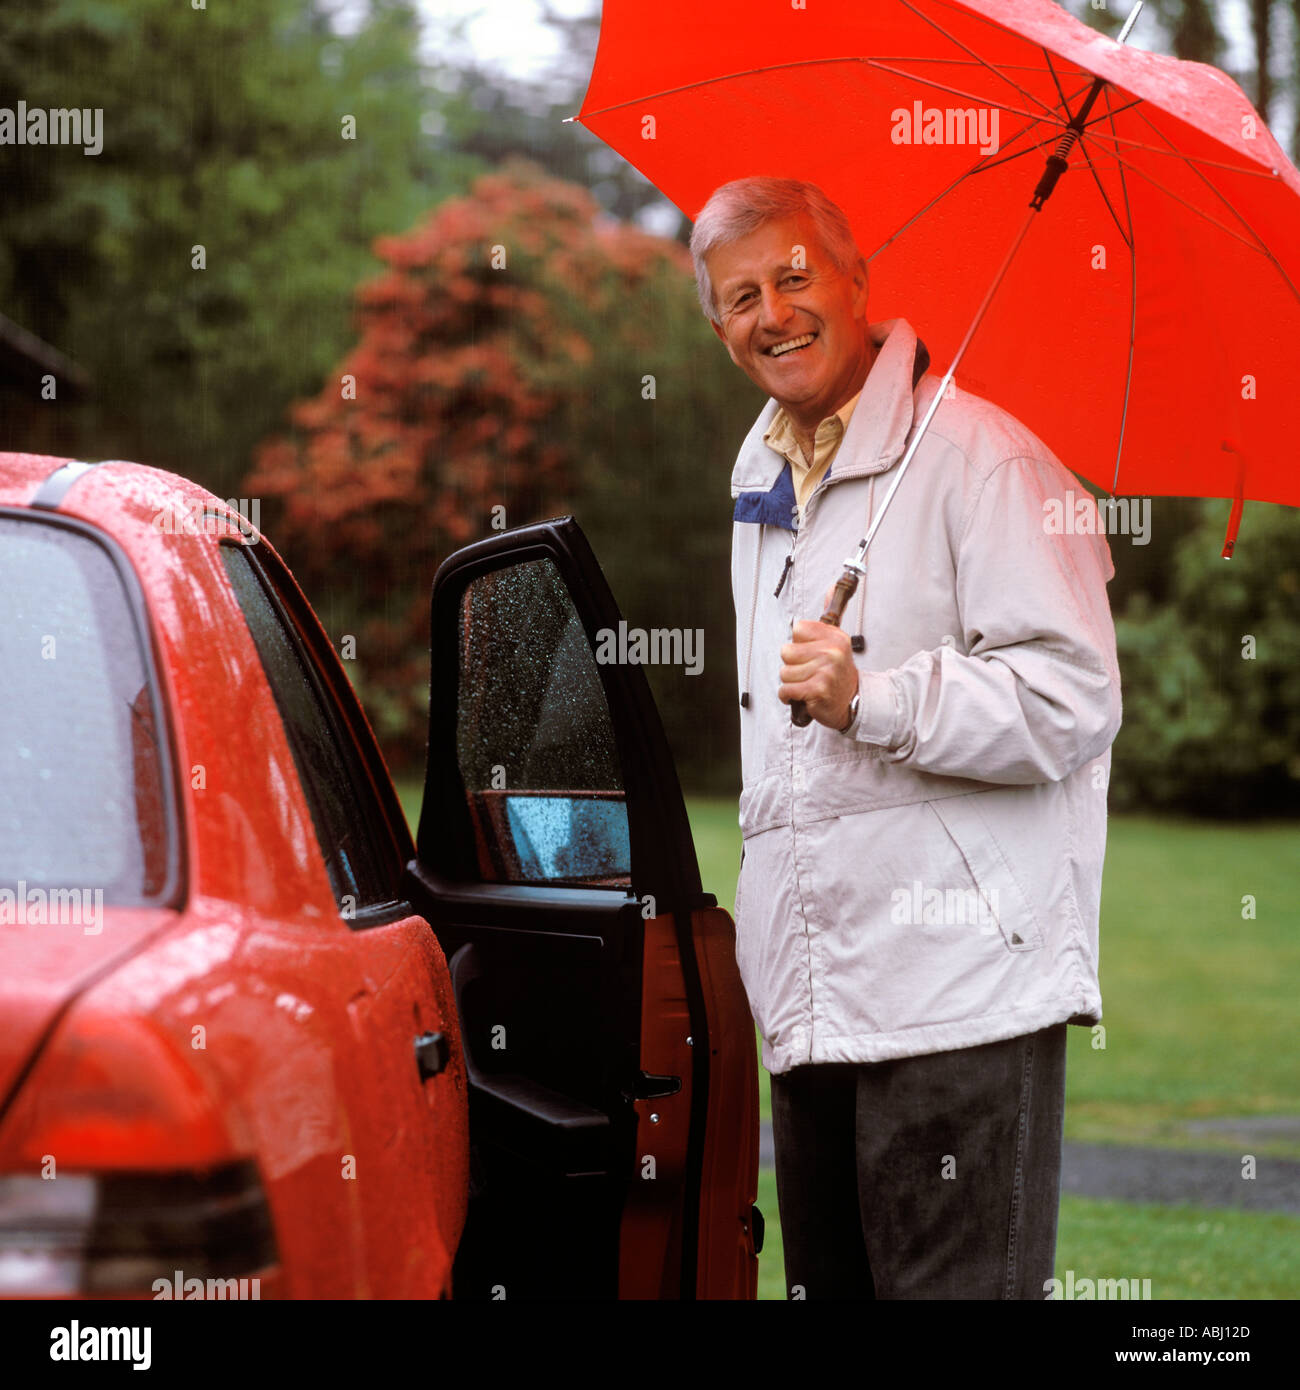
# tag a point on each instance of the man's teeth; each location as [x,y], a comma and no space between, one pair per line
[781,348]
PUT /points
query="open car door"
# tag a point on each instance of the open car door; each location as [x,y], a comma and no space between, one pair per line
[608,1044]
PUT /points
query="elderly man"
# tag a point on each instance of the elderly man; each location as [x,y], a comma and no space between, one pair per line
[918,901]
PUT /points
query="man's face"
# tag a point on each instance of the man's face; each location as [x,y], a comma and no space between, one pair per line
[765,300]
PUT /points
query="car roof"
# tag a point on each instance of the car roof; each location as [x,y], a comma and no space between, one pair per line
[122,498]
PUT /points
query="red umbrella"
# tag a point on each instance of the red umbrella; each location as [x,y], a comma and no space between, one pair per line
[1148,332]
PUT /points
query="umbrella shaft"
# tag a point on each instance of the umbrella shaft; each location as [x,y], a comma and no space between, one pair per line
[859,559]
[1056,161]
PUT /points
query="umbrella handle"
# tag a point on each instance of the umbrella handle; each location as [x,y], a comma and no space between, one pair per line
[845,587]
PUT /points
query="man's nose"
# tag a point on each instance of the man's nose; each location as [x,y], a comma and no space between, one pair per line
[776,308]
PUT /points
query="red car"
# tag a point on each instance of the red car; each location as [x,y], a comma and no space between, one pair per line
[249,1031]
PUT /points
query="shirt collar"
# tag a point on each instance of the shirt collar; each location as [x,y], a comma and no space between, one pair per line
[780,433]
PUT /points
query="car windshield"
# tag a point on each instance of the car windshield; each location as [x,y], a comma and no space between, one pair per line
[82,806]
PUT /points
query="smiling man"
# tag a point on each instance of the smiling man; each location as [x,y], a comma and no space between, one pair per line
[917,911]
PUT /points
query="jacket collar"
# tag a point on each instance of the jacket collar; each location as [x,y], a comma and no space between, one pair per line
[877,431]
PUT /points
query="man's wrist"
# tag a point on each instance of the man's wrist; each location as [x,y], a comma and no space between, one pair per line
[855,706]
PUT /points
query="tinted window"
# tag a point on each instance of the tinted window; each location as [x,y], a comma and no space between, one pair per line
[534,739]
[328,767]
[81,793]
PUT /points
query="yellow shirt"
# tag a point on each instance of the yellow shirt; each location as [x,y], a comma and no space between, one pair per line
[826,442]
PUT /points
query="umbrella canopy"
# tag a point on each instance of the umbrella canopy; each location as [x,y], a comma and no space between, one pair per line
[1148,331]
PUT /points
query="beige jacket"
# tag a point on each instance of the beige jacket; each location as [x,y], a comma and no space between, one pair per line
[930,879]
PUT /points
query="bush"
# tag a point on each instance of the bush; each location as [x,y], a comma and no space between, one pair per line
[1211,695]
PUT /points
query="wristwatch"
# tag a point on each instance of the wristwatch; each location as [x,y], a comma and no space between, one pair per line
[853,711]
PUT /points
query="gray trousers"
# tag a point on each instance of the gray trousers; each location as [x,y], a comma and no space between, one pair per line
[925,1177]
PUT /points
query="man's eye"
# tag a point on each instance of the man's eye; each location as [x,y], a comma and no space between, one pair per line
[795,279]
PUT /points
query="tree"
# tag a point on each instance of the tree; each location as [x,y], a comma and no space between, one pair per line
[200,267]
[522,355]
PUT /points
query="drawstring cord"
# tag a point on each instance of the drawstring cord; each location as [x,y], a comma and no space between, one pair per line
[859,641]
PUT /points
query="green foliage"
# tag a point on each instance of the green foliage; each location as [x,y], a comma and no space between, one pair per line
[222,128]
[1211,700]
[503,375]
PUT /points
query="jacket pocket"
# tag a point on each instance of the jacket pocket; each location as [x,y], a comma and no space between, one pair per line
[992,869]
[764,805]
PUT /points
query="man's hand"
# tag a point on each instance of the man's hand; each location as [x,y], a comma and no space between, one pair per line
[817,668]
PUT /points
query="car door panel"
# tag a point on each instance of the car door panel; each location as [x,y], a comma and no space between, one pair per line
[397,1173]
[595,982]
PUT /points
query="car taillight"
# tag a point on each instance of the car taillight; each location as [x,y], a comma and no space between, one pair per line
[112,1092]
[121,1232]
[117,1169]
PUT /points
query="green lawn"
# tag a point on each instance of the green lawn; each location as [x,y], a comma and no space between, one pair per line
[1200,1008]
[1200,1005]
[1186,1252]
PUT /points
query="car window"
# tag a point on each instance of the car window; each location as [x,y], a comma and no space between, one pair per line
[343,811]
[534,739]
[82,804]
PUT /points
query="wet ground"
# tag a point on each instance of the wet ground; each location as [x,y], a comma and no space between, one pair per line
[1176,1176]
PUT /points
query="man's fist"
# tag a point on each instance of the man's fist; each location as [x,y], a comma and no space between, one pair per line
[817,668]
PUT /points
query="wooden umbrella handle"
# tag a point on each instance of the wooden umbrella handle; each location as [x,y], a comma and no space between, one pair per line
[845,587]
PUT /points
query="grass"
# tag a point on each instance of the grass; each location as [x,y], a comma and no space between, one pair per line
[1199,1002]
[1186,1252]
[1199,1024]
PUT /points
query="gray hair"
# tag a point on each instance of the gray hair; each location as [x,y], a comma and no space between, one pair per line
[742,206]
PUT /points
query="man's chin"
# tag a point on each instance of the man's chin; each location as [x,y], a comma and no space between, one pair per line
[792,392]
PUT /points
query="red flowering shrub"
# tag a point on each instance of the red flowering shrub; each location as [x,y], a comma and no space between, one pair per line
[481,348]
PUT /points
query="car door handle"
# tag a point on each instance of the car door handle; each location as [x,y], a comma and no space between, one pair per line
[432,1053]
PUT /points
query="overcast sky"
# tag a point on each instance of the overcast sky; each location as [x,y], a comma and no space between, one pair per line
[509,34]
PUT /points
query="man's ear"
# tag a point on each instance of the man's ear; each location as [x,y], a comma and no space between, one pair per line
[861,289]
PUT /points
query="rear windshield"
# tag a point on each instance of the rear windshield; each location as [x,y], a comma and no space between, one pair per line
[81,788]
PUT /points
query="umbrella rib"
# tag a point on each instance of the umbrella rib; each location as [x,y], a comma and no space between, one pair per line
[981,165]
[978,167]
[1019,154]
[1137,169]
[1119,226]
[978,62]
[1223,198]
[883,65]
[1132,301]
[586,116]
[957,91]
[1188,159]
[1137,101]
[1051,67]
[995,71]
